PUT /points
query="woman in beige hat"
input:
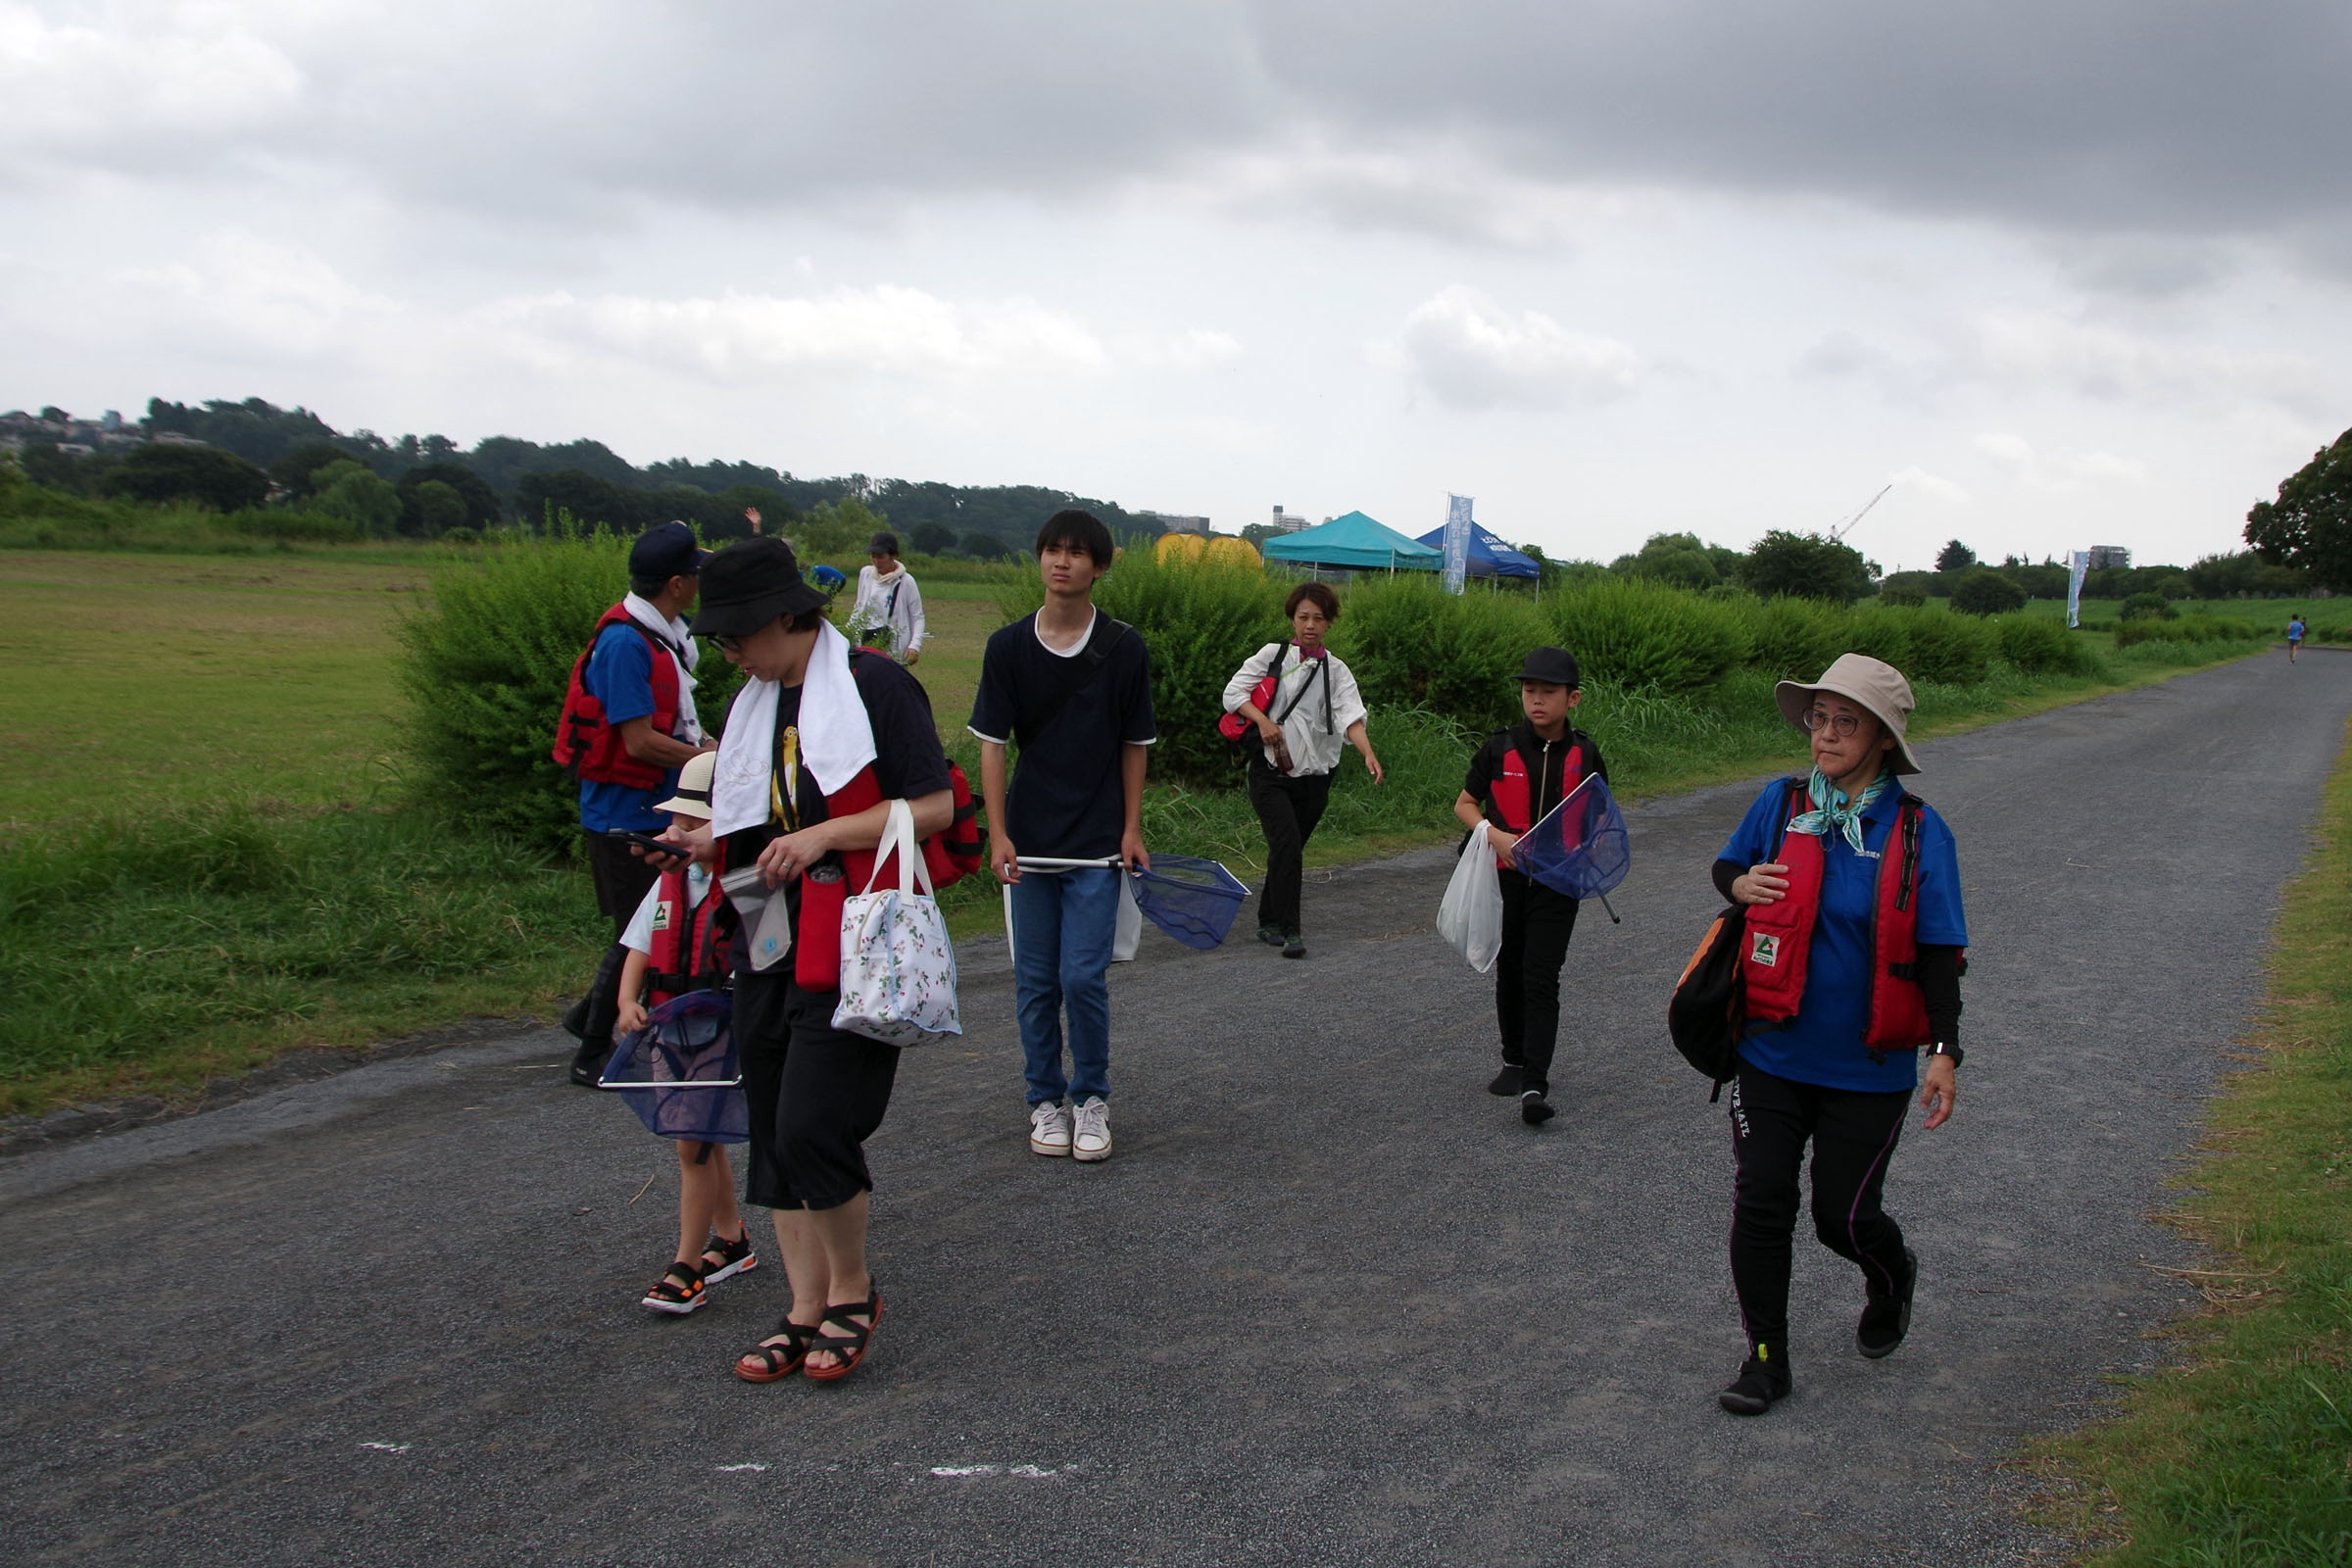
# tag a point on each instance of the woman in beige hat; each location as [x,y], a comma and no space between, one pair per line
[1850,966]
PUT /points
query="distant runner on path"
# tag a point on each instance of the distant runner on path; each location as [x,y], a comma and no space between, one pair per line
[2296,633]
[1850,962]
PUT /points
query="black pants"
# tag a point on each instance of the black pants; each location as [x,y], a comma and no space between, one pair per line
[1853,1135]
[817,1094]
[622,881]
[1288,809]
[1536,923]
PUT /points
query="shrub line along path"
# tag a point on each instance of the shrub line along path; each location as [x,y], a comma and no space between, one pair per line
[1328,1301]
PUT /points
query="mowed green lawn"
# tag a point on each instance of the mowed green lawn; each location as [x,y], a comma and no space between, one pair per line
[131,681]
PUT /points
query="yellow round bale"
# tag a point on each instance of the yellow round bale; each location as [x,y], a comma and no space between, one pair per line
[1179,549]
[1227,551]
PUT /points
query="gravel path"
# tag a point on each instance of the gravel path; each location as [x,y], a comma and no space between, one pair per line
[1329,1302]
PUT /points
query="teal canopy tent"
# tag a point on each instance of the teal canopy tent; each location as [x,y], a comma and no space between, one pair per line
[1353,543]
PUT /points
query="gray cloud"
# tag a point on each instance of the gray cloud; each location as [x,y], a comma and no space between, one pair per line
[2159,118]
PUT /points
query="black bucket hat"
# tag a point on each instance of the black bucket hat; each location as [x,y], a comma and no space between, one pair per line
[749,584]
[1553,667]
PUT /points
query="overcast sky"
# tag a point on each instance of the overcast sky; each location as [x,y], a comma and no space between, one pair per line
[2062,273]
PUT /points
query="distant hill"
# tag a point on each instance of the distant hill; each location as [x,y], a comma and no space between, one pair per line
[596,483]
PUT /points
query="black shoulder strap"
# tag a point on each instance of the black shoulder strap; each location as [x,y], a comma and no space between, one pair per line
[1299,696]
[1108,635]
[1796,788]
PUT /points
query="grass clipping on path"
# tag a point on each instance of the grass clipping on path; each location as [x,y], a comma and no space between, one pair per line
[2244,1453]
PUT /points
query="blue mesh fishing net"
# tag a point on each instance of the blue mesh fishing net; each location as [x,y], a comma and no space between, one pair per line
[1579,848]
[1192,901]
[679,1073]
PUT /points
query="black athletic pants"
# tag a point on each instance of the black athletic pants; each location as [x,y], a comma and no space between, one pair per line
[816,1093]
[1853,1134]
[1288,809]
[1536,923]
[621,880]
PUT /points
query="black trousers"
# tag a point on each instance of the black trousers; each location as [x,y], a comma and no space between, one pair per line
[1288,809]
[622,881]
[1536,923]
[817,1094]
[1853,1134]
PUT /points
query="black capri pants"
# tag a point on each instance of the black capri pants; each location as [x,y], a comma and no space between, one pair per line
[817,1094]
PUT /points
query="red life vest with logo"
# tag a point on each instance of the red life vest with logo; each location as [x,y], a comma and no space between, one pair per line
[587,746]
[1779,937]
[1513,792]
[685,954]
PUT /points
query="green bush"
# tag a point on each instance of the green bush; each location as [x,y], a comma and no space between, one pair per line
[485,667]
[2038,646]
[1413,645]
[1201,621]
[1986,593]
[1883,634]
[1640,634]
[1949,650]
[2188,631]
[2141,606]
[1793,639]
[1902,596]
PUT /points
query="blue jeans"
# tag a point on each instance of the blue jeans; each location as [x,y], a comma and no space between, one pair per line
[1062,925]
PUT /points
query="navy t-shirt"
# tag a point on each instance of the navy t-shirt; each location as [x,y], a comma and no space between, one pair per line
[620,675]
[1066,800]
[1823,1044]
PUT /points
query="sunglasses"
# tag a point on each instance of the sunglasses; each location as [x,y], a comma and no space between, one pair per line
[1840,725]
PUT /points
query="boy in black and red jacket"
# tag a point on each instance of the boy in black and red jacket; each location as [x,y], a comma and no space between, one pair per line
[1515,777]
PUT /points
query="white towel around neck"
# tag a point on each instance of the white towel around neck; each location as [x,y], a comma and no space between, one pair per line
[684,653]
[837,738]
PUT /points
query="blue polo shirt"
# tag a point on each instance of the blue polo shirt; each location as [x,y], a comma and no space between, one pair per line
[620,675]
[1823,1044]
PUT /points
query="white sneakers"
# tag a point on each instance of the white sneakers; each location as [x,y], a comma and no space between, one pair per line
[1092,1140]
[1049,1129]
[1084,1134]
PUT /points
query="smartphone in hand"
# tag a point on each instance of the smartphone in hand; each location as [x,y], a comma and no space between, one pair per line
[654,846]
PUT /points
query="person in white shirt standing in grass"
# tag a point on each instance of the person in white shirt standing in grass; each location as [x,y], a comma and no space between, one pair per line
[888,602]
[1315,705]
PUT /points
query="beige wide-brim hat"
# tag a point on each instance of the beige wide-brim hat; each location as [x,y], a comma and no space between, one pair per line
[693,798]
[1872,683]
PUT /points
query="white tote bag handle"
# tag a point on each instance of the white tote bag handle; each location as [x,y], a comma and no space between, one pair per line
[898,838]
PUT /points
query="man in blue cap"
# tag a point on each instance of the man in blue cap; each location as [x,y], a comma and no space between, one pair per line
[628,726]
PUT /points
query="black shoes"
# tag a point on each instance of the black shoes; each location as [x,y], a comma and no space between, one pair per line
[1763,1380]
[1508,1081]
[1535,1108]
[1886,1319]
[1294,946]
[588,1064]
[1270,935]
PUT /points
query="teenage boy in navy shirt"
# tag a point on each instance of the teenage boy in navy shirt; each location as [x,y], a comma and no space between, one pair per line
[1072,687]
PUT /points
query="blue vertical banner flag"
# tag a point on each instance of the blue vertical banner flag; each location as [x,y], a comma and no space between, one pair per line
[2077,564]
[1457,542]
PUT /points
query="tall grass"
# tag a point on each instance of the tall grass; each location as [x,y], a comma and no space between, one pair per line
[126,941]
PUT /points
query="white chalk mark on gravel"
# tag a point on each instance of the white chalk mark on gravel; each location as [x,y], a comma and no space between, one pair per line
[1026,1471]
[386,1448]
[738,1469]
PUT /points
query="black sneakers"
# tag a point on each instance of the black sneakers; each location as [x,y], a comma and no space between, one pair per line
[1886,1319]
[1294,946]
[1762,1382]
[1535,1108]
[1508,1081]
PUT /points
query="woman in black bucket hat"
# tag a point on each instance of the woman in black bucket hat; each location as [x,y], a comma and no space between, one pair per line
[1850,966]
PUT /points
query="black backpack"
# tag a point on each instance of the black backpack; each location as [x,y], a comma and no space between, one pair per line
[1705,1015]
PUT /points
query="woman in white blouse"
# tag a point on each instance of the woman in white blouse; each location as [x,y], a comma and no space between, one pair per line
[888,603]
[1314,705]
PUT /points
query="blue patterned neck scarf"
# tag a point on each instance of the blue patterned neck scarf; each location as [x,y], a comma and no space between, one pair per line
[1833,811]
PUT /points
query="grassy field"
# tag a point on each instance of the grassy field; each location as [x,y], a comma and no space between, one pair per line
[204,779]
[2241,1454]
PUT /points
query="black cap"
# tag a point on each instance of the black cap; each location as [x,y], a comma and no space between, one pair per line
[666,550]
[1553,667]
[749,584]
[882,544]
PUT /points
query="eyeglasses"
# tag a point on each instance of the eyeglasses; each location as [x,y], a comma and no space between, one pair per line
[729,645]
[1840,725]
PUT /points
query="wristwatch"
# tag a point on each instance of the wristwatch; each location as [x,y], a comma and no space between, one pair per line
[1944,1048]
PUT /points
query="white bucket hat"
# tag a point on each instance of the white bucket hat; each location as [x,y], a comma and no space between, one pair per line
[693,798]
[1872,683]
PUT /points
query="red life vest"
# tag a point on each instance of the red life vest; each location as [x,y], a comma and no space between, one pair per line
[1513,792]
[587,746]
[1779,939]
[685,954]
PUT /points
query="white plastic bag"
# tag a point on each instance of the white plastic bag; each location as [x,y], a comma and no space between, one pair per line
[898,968]
[1471,917]
[1127,934]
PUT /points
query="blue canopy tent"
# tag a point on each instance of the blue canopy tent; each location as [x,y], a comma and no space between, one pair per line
[1353,543]
[1490,556]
